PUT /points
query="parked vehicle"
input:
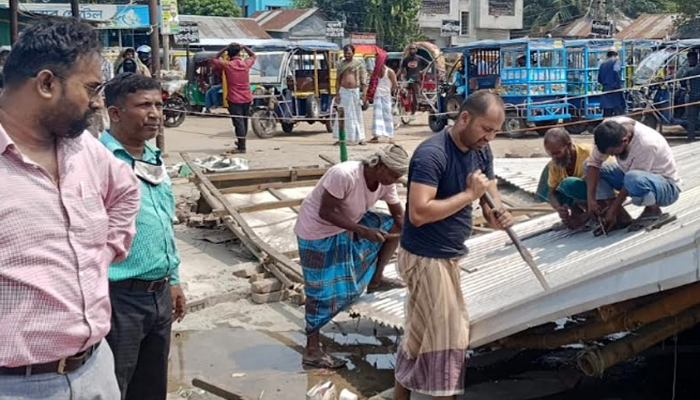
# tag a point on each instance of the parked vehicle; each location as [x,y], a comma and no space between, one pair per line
[301,90]
[174,103]
[529,74]
[660,98]
[584,58]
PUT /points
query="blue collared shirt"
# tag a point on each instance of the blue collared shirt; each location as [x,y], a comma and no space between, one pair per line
[153,253]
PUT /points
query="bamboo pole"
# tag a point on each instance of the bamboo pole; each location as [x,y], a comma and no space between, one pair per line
[341,135]
[593,362]
[644,314]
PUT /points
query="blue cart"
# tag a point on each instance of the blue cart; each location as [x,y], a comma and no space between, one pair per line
[529,74]
[584,58]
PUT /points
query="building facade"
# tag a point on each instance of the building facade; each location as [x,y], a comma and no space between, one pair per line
[250,7]
[469,20]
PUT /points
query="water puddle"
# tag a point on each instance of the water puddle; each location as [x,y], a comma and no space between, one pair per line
[254,363]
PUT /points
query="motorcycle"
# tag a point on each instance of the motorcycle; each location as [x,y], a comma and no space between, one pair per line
[174,104]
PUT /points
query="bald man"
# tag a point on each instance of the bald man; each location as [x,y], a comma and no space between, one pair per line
[566,177]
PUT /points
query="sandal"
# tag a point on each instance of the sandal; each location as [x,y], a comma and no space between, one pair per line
[327,362]
[643,222]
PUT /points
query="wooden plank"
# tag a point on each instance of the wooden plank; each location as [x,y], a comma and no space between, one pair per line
[246,233]
[291,174]
[272,205]
[266,186]
[281,196]
[216,207]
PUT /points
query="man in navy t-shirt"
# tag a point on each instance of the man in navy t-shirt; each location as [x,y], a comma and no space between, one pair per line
[448,172]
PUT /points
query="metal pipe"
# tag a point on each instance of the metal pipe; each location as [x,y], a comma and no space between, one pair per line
[14,32]
[593,362]
[644,314]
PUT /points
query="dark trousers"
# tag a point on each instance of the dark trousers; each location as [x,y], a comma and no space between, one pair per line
[240,124]
[140,341]
[415,89]
[692,115]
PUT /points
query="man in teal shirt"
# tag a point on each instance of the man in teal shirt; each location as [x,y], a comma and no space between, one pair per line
[144,289]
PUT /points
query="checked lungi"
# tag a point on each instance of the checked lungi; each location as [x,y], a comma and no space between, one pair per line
[338,269]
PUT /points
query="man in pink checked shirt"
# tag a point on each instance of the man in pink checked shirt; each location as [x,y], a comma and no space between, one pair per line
[67,208]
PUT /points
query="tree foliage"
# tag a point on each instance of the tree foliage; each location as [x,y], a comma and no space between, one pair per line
[213,8]
[394,21]
[546,14]
[302,3]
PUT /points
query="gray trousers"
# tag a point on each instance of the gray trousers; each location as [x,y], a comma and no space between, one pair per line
[93,381]
[140,339]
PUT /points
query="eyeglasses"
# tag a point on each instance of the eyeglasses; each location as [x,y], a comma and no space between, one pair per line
[93,92]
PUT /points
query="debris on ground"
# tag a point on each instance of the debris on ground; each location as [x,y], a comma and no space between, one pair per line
[322,391]
[222,164]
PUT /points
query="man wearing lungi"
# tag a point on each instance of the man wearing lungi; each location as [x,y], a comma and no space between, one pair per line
[343,244]
[448,172]
[352,92]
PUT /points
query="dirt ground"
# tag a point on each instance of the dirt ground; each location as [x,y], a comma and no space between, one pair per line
[255,350]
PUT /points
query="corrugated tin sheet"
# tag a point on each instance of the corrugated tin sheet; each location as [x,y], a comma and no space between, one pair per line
[581,28]
[226,28]
[283,20]
[521,172]
[503,297]
[650,26]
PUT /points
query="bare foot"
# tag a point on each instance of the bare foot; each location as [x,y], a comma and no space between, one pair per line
[385,284]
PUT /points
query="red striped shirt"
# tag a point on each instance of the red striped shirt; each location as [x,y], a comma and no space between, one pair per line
[56,244]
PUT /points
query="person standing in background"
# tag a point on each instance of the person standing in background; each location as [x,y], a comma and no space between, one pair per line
[383,125]
[239,96]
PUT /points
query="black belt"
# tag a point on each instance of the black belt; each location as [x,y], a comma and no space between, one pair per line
[62,366]
[138,285]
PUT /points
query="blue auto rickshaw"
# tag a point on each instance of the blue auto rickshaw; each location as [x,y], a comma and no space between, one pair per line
[529,74]
[584,58]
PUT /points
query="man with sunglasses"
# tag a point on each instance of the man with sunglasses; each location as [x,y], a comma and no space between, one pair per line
[67,209]
[144,289]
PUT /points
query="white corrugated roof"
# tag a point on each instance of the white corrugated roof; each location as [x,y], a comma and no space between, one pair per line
[503,296]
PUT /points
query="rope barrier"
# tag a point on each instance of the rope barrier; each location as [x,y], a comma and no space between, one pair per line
[544,102]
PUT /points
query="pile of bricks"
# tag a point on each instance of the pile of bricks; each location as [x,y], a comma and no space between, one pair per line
[265,288]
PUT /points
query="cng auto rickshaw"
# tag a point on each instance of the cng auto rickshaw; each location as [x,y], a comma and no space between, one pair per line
[660,99]
[635,51]
[301,90]
[584,58]
[529,74]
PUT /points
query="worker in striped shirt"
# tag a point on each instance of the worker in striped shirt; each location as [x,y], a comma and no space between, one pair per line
[145,288]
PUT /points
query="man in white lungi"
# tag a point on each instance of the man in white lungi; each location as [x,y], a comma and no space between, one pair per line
[352,93]
[383,125]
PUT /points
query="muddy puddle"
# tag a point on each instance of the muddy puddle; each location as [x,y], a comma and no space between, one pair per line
[267,365]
